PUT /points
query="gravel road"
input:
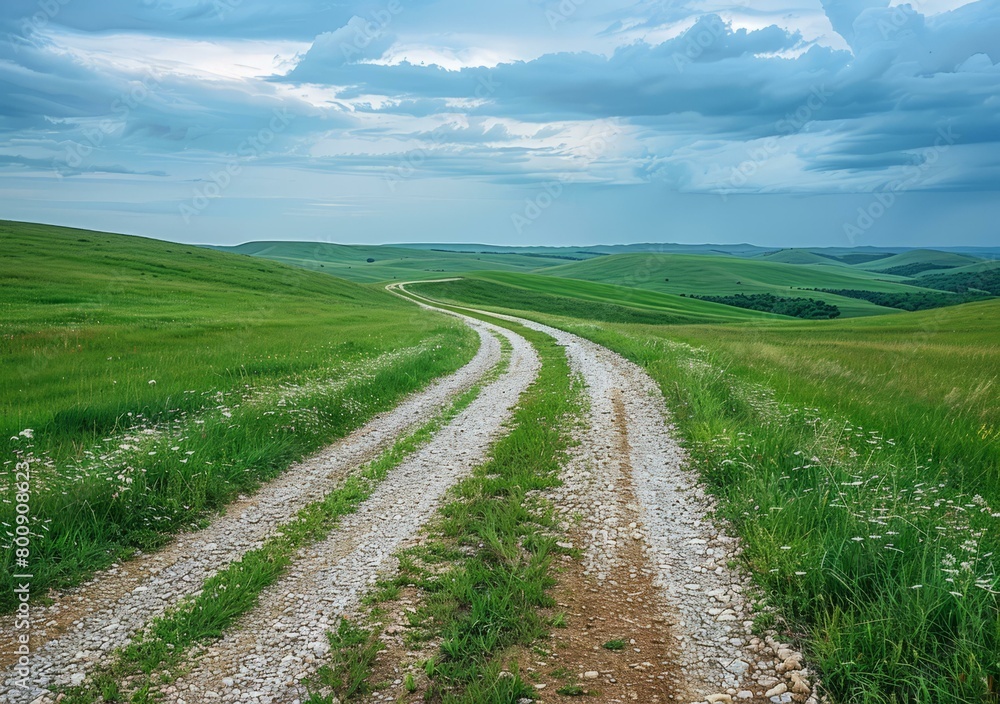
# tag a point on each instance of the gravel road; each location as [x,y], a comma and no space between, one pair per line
[627,484]
[279,642]
[82,625]
[689,553]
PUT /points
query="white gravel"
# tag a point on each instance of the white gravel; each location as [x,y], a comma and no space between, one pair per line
[270,649]
[274,646]
[107,611]
[719,658]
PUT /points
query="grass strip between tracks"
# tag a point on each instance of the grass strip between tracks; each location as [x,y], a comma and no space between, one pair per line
[856,461]
[154,657]
[485,572]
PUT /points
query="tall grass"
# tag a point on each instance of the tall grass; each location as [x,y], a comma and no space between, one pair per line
[858,462]
[153,657]
[147,383]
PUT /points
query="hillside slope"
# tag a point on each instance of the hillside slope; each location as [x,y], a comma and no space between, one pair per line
[799,256]
[688,274]
[148,382]
[583,299]
[917,260]
[397,263]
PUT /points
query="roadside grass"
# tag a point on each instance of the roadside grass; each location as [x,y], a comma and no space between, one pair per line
[153,657]
[857,460]
[485,571]
[148,383]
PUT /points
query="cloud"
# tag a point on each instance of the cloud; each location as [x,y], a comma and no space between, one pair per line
[619,93]
[358,40]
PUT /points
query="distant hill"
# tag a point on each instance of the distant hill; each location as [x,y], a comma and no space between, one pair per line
[978,266]
[800,256]
[585,300]
[738,250]
[692,274]
[917,261]
[393,263]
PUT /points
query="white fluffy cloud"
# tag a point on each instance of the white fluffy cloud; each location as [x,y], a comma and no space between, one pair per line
[706,97]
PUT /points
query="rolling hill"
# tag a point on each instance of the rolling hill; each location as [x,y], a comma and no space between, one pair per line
[583,299]
[396,263]
[148,382]
[919,260]
[799,256]
[689,274]
[979,266]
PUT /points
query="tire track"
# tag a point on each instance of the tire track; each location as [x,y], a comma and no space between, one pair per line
[269,650]
[83,625]
[703,602]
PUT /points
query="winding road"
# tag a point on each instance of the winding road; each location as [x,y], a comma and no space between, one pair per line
[638,511]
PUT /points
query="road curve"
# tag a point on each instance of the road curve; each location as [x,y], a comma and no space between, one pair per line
[629,450]
[79,629]
[271,649]
[629,484]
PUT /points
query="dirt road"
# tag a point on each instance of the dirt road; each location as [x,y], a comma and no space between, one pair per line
[656,572]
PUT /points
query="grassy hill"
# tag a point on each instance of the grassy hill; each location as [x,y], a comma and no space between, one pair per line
[148,382]
[688,274]
[396,263]
[582,300]
[917,260]
[857,460]
[799,256]
[976,267]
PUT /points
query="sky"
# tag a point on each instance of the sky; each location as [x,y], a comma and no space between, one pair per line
[527,122]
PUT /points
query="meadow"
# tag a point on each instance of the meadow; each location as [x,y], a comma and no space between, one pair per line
[148,383]
[878,280]
[718,276]
[398,263]
[857,460]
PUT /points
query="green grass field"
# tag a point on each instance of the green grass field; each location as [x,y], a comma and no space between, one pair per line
[692,274]
[858,461]
[586,300]
[921,256]
[149,382]
[396,263]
